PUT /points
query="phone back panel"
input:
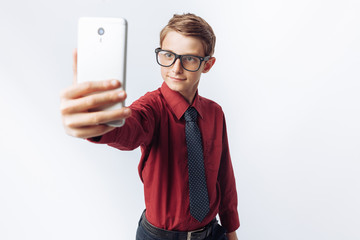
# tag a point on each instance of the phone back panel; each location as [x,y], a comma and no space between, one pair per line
[102,57]
[102,44]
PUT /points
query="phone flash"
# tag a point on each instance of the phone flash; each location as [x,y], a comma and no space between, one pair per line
[101,31]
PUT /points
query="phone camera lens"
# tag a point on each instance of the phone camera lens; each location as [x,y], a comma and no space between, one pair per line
[101,31]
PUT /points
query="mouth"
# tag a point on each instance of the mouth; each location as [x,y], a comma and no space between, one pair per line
[177,78]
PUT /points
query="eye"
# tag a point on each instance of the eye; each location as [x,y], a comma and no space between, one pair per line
[168,55]
[189,59]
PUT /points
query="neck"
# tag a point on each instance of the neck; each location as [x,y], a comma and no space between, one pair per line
[189,97]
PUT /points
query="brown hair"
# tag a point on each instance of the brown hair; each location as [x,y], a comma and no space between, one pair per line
[193,26]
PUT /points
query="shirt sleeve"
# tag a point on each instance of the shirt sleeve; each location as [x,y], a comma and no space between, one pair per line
[228,213]
[137,130]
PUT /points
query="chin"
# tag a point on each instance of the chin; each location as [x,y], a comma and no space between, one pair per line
[174,85]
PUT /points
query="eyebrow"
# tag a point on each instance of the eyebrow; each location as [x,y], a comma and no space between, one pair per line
[192,54]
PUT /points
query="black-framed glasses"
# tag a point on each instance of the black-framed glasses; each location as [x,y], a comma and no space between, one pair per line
[190,63]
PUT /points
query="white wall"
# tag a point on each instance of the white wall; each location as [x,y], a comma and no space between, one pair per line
[287,76]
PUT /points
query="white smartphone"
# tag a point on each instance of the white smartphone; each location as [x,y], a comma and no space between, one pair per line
[102,45]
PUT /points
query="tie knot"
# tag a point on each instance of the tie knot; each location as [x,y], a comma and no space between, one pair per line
[190,115]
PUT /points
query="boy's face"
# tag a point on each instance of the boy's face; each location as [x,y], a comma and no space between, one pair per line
[175,76]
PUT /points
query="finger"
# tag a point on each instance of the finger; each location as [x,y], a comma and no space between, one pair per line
[85,88]
[75,66]
[90,102]
[95,118]
[88,132]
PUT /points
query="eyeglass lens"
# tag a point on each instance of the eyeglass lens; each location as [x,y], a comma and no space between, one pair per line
[189,62]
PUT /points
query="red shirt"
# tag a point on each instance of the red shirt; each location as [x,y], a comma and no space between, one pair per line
[157,126]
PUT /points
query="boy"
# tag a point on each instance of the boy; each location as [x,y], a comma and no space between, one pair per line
[185,164]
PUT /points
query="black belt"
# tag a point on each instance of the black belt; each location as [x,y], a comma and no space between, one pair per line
[200,234]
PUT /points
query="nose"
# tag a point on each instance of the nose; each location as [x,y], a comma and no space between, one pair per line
[177,68]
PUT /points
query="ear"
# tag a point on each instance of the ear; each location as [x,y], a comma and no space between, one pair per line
[209,64]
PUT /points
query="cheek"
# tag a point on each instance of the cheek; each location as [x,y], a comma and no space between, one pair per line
[194,77]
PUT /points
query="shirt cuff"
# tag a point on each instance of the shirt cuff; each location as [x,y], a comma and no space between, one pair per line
[230,221]
[94,139]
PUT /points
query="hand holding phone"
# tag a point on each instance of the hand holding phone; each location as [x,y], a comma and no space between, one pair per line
[78,99]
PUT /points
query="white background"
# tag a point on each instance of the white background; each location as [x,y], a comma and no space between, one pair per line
[287,76]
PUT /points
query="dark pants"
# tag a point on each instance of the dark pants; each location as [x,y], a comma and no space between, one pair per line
[218,233]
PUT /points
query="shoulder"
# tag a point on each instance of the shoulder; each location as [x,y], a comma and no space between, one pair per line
[210,106]
[151,96]
[150,99]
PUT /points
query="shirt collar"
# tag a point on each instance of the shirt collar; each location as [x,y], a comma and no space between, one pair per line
[177,102]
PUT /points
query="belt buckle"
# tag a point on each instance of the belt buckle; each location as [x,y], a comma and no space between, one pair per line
[191,232]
